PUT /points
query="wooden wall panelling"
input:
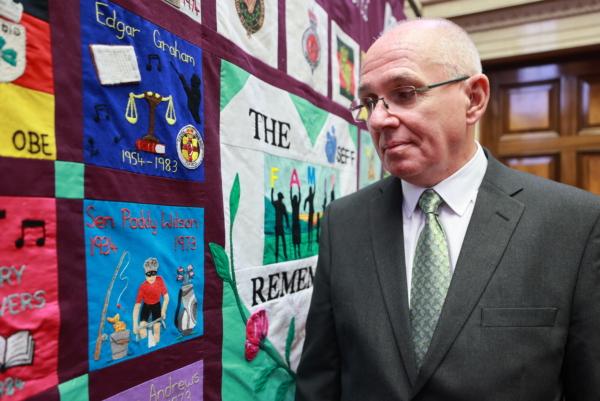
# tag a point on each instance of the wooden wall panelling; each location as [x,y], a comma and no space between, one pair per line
[543,166]
[589,105]
[589,178]
[545,119]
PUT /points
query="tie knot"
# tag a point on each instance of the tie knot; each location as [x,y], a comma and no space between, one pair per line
[430,201]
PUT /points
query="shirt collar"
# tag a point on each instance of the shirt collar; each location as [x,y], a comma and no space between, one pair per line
[458,190]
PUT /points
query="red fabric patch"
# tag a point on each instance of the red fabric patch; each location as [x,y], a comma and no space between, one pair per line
[38,71]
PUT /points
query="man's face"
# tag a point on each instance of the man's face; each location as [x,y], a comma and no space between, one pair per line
[427,140]
[151,277]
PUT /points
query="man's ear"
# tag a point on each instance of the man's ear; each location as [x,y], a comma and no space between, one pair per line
[479,95]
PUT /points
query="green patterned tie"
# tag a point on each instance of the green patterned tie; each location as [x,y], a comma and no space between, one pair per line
[430,276]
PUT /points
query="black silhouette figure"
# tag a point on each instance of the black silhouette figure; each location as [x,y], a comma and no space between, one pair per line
[318,227]
[332,196]
[193,92]
[280,214]
[296,237]
[319,216]
[310,200]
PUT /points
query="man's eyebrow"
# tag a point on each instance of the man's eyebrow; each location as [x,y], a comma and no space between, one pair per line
[363,89]
[395,81]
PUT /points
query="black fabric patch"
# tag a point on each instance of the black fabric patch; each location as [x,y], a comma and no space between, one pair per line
[37,8]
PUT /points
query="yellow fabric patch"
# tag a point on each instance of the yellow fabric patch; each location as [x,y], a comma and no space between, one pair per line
[26,123]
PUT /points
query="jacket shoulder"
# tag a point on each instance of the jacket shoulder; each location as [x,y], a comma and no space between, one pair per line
[363,197]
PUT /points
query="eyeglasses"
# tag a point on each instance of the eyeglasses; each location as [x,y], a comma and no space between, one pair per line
[151,273]
[401,97]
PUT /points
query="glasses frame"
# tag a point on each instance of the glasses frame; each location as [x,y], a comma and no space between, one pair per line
[421,89]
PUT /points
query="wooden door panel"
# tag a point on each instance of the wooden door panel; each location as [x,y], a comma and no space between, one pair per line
[530,108]
[543,166]
[590,172]
[589,110]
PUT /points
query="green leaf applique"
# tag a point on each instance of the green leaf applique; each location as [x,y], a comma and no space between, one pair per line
[221,261]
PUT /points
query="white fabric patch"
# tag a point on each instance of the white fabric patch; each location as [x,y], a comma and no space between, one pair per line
[11,10]
[116,64]
[12,51]
[307,45]
[262,286]
[260,42]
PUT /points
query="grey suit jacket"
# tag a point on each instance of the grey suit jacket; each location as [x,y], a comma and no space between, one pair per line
[521,320]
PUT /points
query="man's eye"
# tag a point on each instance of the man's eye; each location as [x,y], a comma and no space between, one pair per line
[403,95]
[369,103]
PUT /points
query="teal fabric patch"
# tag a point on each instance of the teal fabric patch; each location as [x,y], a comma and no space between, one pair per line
[233,79]
[68,179]
[74,390]
[313,117]
[354,134]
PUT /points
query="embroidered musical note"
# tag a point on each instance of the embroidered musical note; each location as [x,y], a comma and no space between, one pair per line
[91,147]
[31,224]
[101,108]
[152,57]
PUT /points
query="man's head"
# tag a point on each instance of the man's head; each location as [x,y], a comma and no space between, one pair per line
[424,138]
[151,269]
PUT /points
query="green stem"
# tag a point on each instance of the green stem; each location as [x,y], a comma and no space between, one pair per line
[233,282]
[276,358]
[238,301]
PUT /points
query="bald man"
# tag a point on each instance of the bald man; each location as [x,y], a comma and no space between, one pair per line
[455,279]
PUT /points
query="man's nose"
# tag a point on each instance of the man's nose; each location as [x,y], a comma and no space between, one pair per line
[381,116]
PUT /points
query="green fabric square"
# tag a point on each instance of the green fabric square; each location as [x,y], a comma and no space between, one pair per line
[74,390]
[68,179]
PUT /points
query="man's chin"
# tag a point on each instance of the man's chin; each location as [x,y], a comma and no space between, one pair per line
[400,169]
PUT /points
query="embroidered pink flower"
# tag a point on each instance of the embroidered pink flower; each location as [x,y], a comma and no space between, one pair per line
[256,331]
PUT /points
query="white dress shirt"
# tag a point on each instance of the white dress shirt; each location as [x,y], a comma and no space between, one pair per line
[459,192]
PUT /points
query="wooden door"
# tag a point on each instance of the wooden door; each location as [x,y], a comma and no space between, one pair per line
[545,119]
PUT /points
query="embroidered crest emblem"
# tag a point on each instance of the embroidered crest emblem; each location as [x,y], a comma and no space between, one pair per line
[345,56]
[311,45]
[190,147]
[251,14]
[12,51]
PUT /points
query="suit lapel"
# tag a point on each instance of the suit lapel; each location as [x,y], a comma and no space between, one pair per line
[388,245]
[492,224]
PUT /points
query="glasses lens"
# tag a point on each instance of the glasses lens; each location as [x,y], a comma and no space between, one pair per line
[402,96]
[150,273]
[359,111]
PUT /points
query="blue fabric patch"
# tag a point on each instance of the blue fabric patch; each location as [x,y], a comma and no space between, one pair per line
[155,126]
[121,239]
